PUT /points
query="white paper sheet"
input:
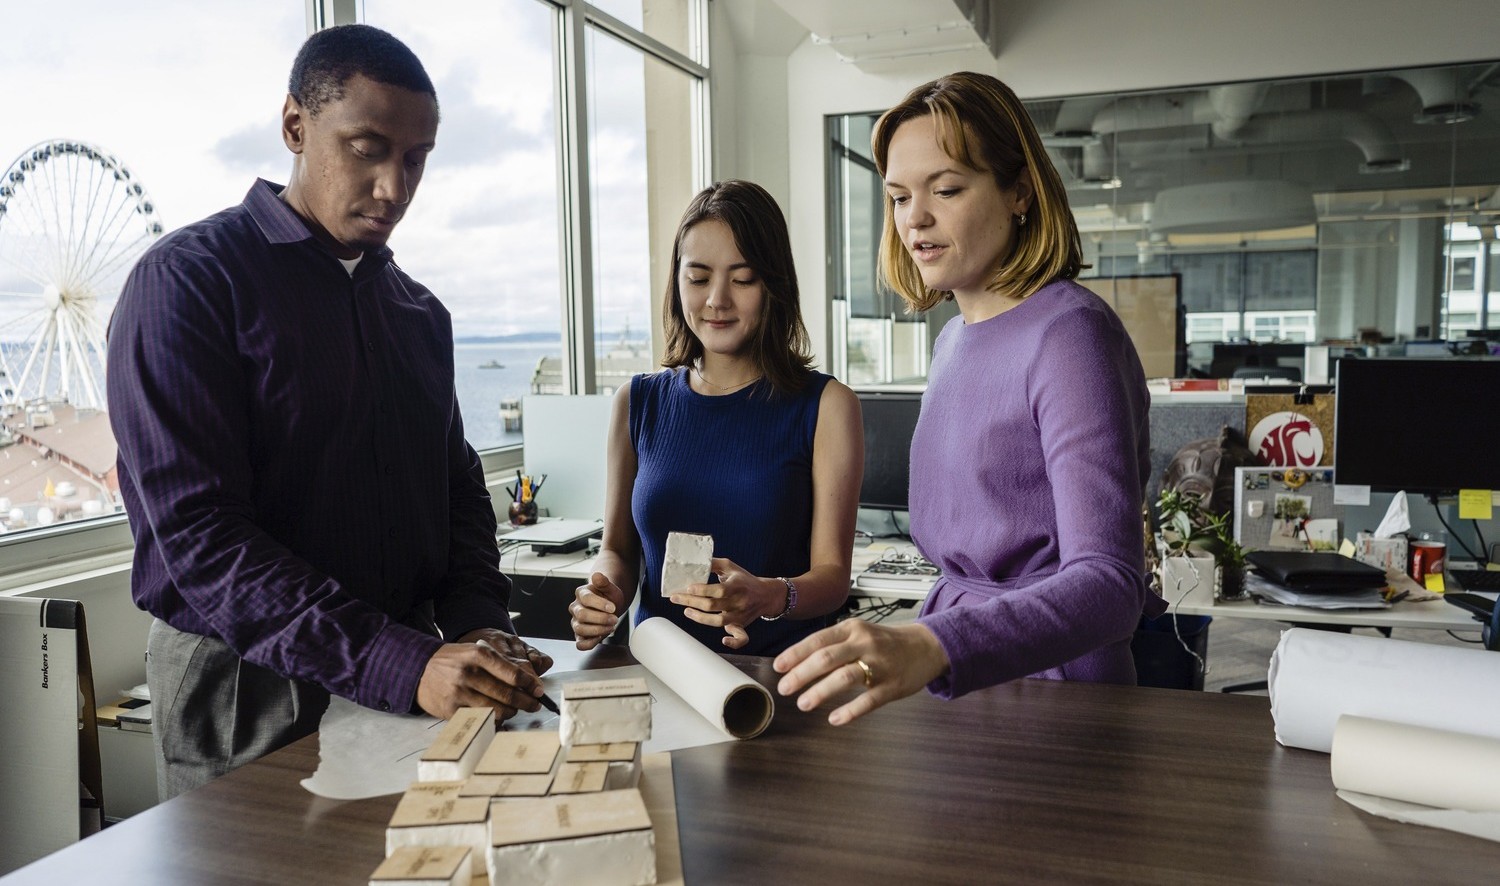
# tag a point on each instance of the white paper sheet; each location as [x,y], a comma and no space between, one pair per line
[367,753]
[1315,676]
[1485,825]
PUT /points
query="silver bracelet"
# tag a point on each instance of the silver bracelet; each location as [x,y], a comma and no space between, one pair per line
[791,601]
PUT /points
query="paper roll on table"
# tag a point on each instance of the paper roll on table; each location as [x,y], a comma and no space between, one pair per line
[713,687]
[1316,676]
[1434,767]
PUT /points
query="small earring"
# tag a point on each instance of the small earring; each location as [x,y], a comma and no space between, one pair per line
[1021,220]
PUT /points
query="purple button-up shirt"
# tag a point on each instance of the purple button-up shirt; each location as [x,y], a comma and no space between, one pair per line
[292,456]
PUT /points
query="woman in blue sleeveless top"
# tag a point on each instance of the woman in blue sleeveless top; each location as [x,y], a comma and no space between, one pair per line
[736,438]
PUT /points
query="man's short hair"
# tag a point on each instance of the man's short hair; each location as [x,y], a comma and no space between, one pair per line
[331,56]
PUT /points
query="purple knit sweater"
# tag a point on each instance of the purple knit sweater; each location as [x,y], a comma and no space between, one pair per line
[1028,471]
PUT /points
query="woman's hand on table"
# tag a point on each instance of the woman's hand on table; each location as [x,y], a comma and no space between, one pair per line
[887,663]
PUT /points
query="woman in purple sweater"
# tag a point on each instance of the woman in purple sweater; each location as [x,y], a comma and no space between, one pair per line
[1030,455]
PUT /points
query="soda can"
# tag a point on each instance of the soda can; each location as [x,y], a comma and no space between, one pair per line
[1427,558]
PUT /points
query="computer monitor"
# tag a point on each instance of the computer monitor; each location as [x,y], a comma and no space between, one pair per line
[890,417]
[1419,425]
[1229,356]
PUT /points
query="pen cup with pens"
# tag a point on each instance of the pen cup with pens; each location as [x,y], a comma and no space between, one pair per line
[522,509]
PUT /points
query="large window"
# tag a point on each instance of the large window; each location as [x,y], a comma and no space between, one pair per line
[483,230]
[641,150]
[1471,301]
[572,137]
[120,124]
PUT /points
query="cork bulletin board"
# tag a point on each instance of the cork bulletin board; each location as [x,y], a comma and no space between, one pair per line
[1285,433]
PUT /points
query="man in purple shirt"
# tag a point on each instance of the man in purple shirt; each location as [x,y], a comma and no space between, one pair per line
[308,517]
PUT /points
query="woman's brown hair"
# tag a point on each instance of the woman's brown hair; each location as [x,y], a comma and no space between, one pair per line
[780,346]
[982,124]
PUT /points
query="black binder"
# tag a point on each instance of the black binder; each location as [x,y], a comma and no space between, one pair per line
[1316,570]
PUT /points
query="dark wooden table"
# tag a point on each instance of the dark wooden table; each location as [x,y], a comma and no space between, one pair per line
[1030,782]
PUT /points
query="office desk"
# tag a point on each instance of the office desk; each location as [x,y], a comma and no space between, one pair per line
[542,587]
[1430,614]
[1030,782]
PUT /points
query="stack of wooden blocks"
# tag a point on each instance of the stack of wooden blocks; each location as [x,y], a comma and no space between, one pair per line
[531,807]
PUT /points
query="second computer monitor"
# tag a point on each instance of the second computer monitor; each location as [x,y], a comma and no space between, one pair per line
[890,417]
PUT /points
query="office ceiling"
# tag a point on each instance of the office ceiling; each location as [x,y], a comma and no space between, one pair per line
[1211,162]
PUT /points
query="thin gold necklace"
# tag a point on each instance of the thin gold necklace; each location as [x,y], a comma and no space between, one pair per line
[703,378]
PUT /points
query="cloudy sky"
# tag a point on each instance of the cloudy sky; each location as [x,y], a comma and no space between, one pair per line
[188,96]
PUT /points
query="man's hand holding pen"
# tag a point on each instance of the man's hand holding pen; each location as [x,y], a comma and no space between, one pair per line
[485,668]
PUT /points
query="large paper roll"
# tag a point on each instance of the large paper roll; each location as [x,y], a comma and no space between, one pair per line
[713,687]
[1434,767]
[1316,676]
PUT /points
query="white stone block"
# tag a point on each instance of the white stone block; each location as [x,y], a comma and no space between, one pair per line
[688,561]
[606,711]
[602,839]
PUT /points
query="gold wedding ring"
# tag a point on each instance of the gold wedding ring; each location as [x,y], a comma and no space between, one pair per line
[869,674]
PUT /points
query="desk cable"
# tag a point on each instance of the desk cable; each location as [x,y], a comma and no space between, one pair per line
[878,612]
[1481,559]
[1203,666]
[514,549]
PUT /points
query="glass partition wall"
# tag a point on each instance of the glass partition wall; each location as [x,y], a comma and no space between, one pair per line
[1351,209]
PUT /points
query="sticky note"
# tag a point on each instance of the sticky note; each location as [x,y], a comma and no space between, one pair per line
[1475,504]
[1347,548]
[1435,582]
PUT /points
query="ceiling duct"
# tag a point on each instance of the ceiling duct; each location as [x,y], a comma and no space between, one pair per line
[1230,111]
[1444,98]
[1074,126]
[1363,130]
[1229,206]
[1235,105]
[1097,168]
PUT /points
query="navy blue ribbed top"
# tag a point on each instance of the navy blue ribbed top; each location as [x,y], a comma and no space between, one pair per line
[737,467]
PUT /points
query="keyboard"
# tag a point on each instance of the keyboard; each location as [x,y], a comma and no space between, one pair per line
[898,572]
[1476,579]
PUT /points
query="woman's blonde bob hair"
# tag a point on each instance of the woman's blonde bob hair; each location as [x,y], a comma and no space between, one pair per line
[981,124]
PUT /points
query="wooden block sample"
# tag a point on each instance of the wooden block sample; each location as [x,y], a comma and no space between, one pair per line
[603,838]
[459,745]
[426,866]
[520,753]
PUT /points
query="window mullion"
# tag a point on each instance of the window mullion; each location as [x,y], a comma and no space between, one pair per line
[575,217]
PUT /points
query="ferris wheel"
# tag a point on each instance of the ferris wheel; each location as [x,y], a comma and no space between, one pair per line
[72,222]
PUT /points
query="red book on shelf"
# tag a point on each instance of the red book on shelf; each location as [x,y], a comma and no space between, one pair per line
[1198,384]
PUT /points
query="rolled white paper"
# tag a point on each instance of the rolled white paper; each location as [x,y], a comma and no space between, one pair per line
[713,687]
[1434,767]
[1316,676]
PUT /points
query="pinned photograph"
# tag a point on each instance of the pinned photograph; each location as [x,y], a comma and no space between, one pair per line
[1287,521]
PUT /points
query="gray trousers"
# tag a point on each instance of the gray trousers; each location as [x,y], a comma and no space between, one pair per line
[212,711]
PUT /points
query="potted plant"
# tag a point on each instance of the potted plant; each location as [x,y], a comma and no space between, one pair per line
[1190,532]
